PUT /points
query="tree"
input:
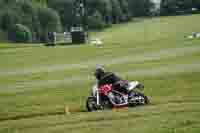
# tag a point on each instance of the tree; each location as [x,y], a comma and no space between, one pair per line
[38,19]
[140,7]
[8,19]
[125,10]
[41,2]
[104,7]
[196,4]
[176,7]
[49,22]
[116,11]
[96,21]
[65,8]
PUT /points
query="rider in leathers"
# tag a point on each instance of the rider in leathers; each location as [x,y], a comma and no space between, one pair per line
[104,78]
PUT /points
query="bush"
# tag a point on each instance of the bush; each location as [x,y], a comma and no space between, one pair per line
[20,33]
[8,19]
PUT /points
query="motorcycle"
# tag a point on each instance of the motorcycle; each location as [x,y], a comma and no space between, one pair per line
[99,99]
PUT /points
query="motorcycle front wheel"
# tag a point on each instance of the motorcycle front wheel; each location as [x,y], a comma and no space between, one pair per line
[91,104]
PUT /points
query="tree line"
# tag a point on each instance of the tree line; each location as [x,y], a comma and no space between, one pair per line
[27,20]
[32,20]
[179,7]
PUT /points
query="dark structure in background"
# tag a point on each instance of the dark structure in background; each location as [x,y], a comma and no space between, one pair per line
[51,39]
[79,28]
[78,35]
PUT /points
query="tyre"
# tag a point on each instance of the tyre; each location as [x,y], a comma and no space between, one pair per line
[91,104]
[138,99]
[146,99]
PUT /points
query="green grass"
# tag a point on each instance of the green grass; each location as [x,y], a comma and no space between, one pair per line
[37,82]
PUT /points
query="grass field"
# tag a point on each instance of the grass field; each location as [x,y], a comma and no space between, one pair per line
[37,82]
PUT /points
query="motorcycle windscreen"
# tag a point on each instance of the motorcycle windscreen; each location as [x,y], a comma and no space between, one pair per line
[132,85]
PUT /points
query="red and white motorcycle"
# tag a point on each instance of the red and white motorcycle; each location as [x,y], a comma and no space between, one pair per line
[99,99]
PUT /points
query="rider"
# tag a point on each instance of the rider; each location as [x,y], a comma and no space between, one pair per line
[104,78]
